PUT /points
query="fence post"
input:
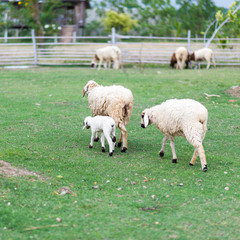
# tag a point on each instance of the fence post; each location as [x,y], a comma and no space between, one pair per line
[34,47]
[189,41]
[74,36]
[5,30]
[113,36]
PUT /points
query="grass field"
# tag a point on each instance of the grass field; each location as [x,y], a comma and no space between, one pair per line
[132,195]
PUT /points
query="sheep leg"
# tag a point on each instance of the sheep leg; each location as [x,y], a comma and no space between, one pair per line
[202,156]
[100,63]
[213,60]
[91,142]
[182,64]
[208,65]
[103,142]
[96,137]
[194,157]
[174,159]
[161,153]
[110,144]
[178,64]
[124,136]
[120,141]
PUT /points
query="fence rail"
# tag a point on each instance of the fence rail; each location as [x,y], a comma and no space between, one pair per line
[135,49]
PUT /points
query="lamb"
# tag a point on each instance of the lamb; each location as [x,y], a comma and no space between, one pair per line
[106,126]
[108,54]
[204,54]
[113,101]
[180,56]
[180,117]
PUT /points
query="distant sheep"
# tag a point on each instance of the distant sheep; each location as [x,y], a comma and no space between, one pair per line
[185,117]
[106,126]
[113,101]
[204,54]
[180,56]
[108,55]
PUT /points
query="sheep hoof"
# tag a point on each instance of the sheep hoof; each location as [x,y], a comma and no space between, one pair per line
[161,154]
[124,149]
[205,168]
[96,139]
[110,154]
[119,144]
[90,146]
[103,149]
[174,160]
[190,164]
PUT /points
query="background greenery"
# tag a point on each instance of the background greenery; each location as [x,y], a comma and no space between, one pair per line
[139,195]
[154,17]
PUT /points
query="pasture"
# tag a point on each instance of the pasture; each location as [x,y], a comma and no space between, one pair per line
[132,195]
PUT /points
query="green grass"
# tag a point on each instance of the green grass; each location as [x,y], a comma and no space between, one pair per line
[42,111]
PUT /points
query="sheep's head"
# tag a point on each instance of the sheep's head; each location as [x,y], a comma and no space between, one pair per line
[89,86]
[173,60]
[192,56]
[188,61]
[95,61]
[86,123]
[145,121]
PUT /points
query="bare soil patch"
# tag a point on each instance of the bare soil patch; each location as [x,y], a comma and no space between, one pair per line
[234,91]
[6,169]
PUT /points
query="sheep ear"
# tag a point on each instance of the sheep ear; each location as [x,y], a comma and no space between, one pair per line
[146,120]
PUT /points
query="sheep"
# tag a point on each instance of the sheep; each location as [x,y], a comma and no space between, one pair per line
[180,117]
[204,54]
[106,126]
[113,101]
[108,54]
[180,56]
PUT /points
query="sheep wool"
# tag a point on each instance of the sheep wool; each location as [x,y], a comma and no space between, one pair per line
[113,101]
[180,56]
[108,54]
[204,54]
[180,117]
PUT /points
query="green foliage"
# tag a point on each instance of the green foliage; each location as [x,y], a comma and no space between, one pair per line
[120,21]
[139,195]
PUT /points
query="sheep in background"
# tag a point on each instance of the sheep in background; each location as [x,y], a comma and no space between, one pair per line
[204,54]
[180,56]
[113,101]
[106,126]
[185,117]
[108,55]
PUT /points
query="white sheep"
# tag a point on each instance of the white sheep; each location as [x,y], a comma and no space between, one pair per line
[108,55]
[106,126]
[113,101]
[204,54]
[184,117]
[180,56]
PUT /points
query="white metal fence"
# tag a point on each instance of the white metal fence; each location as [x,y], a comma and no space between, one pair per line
[135,49]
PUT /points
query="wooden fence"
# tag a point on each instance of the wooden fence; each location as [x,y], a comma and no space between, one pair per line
[74,50]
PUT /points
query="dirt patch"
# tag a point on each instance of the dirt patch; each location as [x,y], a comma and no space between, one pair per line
[6,169]
[234,91]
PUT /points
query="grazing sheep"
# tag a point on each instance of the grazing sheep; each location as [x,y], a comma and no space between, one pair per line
[204,54]
[113,101]
[108,54]
[185,117]
[180,56]
[106,126]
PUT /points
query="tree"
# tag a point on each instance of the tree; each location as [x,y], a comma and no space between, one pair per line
[120,21]
[194,14]
[230,16]
[36,15]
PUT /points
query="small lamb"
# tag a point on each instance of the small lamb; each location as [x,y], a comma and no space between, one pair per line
[105,125]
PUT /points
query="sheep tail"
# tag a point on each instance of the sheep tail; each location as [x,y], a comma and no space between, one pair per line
[127,110]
